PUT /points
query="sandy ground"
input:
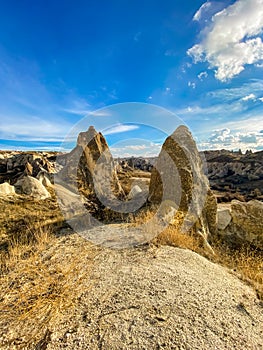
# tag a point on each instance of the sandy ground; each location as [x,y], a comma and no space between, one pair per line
[160,298]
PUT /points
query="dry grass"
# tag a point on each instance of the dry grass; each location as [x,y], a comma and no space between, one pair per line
[173,237]
[247,261]
[41,278]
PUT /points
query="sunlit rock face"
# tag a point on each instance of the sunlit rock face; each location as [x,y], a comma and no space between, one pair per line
[178,177]
[245,224]
[90,166]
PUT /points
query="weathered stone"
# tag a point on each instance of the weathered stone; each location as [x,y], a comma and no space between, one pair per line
[6,190]
[91,168]
[223,218]
[178,177]
[135,190]
[44,179]
[30,186]
[28,169]
[18,164]
[247,219]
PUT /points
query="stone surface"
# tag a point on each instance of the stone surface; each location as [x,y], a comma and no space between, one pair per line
[247,221]
[31,186]
[91,168]
[236,172]
[223,218]
[6,189]
[14,165]
[44,179]
[135,190]
[178,177]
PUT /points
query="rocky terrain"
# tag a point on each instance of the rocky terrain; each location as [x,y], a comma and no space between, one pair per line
[231,174]
[139,295]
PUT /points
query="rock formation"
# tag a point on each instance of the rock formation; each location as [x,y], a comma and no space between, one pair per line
[236,172]
[31,186]
[43,177]
[90,167]
[14,165]
[242,223]
[178,177]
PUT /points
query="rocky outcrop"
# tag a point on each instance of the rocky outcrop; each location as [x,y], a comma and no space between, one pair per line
[140,163]
[29,185]
[90,167]
[178,177]
[6,190]
[43,177]
[245,224]
[14,165]
[236,172]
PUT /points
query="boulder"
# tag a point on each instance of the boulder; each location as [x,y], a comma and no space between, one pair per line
[178,176]
[247,221]
[223,218]
[135,190]
[31,186]
[44,179]
[6,190]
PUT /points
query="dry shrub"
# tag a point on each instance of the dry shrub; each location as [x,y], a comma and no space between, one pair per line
[173,237]
[246,260]
[40,280]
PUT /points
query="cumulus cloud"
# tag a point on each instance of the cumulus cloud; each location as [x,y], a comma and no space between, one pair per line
[232,40]
[249,97]
[233,140]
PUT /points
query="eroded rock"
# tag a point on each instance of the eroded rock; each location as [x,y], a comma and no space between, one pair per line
[90,168]
[29,185]
[179,177]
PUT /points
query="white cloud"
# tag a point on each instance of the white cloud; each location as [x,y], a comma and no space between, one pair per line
[78,106]
[232,40]
[236,93]
[249,97]
[199,13]
[233,140]
[148,149]
[202,75]
[31,128]
[260,99]
[120,128]
[191,84]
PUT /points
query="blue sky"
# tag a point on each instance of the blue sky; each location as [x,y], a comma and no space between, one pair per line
[62,60]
